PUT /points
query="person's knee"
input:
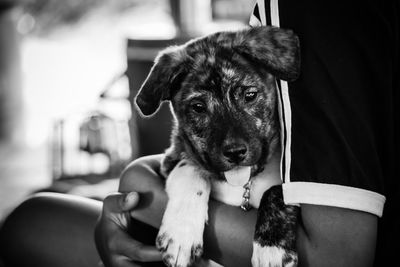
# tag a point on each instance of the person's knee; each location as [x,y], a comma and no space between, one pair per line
[56,224]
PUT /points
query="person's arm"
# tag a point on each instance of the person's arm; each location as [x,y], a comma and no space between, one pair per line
[227,225]
[330,236]
[327,236]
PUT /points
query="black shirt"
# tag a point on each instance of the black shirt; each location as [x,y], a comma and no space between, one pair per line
[340,123]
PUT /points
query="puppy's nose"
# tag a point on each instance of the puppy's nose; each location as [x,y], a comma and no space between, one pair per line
[235,152]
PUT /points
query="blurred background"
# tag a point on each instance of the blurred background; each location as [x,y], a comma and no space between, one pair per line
[68,72]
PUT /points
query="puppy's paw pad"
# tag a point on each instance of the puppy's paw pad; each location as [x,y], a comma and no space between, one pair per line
[272,256]
[179,249]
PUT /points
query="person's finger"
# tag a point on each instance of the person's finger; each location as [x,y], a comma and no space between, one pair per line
[122,261]
[143,253]
[120,202]
[136,250]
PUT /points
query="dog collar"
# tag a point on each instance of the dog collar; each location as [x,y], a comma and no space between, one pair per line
[246,196]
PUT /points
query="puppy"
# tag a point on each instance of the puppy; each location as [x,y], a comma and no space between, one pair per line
[222,90]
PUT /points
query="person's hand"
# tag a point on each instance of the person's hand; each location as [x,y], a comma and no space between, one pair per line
[116,247]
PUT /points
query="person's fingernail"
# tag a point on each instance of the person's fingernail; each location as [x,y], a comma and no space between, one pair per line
[130,196]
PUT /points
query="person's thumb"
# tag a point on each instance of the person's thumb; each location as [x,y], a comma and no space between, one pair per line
[120,202]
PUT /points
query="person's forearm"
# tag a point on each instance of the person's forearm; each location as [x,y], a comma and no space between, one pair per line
[228,234]
[327,236]
[330,236]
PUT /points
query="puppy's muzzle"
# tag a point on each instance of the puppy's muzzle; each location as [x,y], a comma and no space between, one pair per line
[235,152]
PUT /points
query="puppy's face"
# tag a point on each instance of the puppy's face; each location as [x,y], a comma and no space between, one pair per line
[226,111]
[222,89]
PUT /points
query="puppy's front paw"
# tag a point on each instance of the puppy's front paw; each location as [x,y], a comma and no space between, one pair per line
[275,236]
[180,238]
[180,244]
[271,256]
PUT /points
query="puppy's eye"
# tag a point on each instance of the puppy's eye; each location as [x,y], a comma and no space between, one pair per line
[198,107]
[250,95]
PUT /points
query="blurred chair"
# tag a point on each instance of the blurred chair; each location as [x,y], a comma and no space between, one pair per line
[151,135]
[94,144]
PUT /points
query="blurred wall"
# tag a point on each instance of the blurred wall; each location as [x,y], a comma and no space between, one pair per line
[10,75]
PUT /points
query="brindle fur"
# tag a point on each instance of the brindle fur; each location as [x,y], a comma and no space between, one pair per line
[216,72]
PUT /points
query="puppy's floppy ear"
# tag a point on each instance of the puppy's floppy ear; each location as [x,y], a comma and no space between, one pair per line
[161,80]
[275,48]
